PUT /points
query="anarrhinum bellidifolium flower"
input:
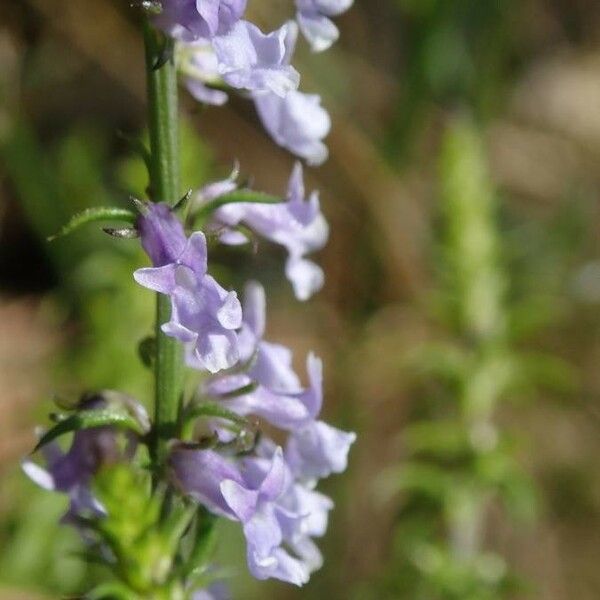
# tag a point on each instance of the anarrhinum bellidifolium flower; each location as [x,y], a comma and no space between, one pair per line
[269,489]
[191,20]
[246,59]
[145,493]
[203,314]
[116,422]
[315,22]
[297,224]
[194,19]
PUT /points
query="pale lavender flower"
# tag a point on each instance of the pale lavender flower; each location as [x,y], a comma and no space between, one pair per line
[278,564]
[214,190]
[296,122]
[298,225]
[199,474]
[315,24]
[190,20]
[203,314]
[283,410]
[198,64]
[318,450]
[71,472]
[300,513]
[277,396]
[255,504]
[314,449]
[239,492]
[314,508]
[251,60]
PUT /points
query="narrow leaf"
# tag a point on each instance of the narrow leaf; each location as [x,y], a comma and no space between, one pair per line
[205,541]
[175,526]
[88,419]
[91,215]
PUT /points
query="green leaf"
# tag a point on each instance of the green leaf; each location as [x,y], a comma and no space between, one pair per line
[246,196]
[175,525]
[91,215]
[442,359]
[430,480]
[205,542]
[87,419]
[447,438]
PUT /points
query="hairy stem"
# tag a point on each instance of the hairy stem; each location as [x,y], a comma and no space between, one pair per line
[165,187]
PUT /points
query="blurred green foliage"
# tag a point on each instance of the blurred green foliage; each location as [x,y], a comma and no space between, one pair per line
[454,53]
[461,463]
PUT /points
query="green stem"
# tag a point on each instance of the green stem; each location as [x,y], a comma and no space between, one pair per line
[165,187]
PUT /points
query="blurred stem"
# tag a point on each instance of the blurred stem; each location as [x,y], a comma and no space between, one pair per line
[478,284]
[165,187]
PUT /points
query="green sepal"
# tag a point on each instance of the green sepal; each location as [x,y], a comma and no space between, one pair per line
[91,215]
[212,409]
[87,419]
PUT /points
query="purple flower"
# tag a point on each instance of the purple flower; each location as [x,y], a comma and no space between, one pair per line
[296,122]
[203,314]
[285,411]
[199,474]
[297,224]
[71,472]
[251,60]
[163,237]
[189,20]
[241,492]
[278,396]
[263,519]
[315,24]
[318,450]
[299,513]
[298,533]
[198,63]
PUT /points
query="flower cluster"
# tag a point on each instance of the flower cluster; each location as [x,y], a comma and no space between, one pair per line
[296,224]
[217,48]
[250,445]
[269,489]
[71,472]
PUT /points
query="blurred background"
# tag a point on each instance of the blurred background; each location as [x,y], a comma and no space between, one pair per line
[460,322]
